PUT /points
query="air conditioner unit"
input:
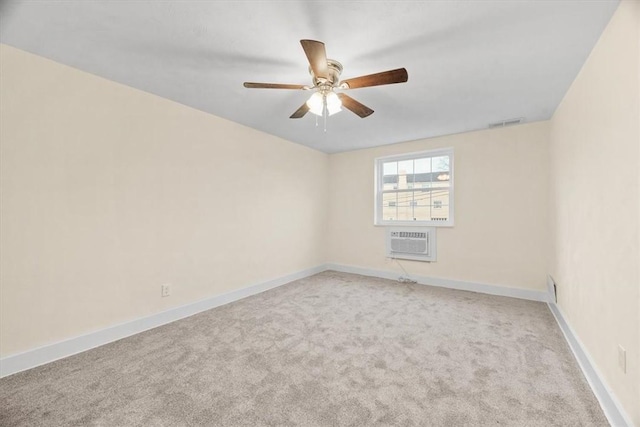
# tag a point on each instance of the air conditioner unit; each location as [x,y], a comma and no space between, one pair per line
[414,243]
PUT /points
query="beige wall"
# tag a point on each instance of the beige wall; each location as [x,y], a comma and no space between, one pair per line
[108,192]
[595,152]
[501,197]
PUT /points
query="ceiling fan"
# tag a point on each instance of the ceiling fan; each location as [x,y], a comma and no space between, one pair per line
[325,75]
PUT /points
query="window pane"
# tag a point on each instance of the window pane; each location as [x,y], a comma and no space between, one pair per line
[441,179]
[402,181]
[405,213]
[423,179]
[405,167]
[405,174]
[389,207]
[440,164]
[422,198]
[422,165]
[405,198]
[390,175]
[421,207]
[390,182]
[440,205]
[390,168]
[405,209]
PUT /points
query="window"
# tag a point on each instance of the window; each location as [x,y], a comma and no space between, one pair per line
[415,189]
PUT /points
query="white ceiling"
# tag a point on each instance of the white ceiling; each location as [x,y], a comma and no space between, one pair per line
[470,63]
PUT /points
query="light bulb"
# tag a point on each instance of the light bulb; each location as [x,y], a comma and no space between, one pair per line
[333,103]
[316,104]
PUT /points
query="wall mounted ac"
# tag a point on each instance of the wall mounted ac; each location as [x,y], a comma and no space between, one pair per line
[414,243]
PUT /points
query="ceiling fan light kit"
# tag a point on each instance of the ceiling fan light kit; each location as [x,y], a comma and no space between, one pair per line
[322,101]
[325,75]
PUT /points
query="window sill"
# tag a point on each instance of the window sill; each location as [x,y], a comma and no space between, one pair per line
[448,224]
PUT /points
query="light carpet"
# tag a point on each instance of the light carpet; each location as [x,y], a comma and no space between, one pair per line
[333,349]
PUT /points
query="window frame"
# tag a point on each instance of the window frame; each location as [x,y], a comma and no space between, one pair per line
[378,191]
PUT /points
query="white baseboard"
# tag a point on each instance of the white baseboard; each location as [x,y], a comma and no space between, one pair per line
[483,288]
[612,409]
[49,353]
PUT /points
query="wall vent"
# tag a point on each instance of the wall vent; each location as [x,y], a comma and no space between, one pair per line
[415,243]
[505,123]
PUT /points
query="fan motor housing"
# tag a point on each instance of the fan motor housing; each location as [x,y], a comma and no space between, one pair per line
[335,69]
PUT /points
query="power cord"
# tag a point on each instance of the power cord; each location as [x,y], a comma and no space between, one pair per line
[405,278]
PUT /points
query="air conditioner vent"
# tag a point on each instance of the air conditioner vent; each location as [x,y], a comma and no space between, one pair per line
[505,123]
[412,234]
[411,243]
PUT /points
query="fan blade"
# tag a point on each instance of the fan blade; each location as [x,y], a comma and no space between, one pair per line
[317,57]
[351,104]
[300,112]
[252,85]
[385,78]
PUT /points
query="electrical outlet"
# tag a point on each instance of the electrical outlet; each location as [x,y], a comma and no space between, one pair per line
[622,358]
[165,290]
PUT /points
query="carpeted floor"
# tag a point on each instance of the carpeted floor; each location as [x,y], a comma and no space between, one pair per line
[334,349]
